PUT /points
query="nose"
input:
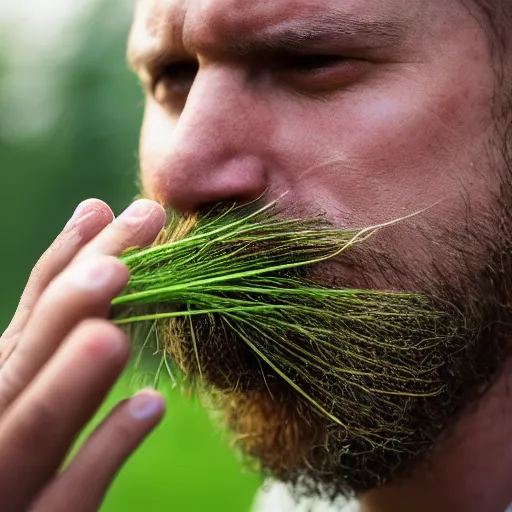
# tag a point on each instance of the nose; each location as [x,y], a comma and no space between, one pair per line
[215,150]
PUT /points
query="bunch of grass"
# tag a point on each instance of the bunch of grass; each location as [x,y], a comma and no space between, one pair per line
[243,272]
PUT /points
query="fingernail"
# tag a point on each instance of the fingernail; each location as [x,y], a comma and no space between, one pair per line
[81,209]
[137,210]
[94,274]
[146,404]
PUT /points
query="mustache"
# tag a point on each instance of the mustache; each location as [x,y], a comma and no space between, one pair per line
[240,276]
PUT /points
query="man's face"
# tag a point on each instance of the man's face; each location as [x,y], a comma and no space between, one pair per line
[365,110]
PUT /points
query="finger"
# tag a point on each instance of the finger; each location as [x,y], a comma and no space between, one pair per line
[137,226]
[89,219]
[81,291]
[38,429]
[83,485]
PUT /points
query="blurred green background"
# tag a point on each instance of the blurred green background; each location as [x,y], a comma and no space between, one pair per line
[69,118]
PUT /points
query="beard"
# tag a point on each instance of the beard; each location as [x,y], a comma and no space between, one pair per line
[402,385]
[364,400]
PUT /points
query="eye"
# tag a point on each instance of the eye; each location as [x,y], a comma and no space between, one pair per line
[311,63]
[173,82]
[321,73]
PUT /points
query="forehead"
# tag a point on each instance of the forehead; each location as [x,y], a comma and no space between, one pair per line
[257,14]
[214,20]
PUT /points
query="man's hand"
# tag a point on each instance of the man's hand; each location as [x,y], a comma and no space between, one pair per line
[59,358]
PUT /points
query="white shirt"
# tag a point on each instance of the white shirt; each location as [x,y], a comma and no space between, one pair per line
[276,497]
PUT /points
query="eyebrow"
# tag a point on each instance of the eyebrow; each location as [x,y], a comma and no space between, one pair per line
[294,36]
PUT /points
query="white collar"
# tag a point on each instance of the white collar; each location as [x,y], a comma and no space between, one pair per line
[275,497]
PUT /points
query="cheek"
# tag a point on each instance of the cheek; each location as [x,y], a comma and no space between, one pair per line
[155,139]
[389,151]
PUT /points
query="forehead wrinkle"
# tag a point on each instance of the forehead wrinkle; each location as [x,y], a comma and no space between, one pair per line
[298,33]
[242,32]
[182,28]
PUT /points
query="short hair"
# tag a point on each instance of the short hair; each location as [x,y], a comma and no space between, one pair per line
[498,18]
[495,17]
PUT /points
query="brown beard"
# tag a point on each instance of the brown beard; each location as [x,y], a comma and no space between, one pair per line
[294,442]
[470,269]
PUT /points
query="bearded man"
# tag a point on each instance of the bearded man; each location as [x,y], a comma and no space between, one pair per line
[365,110]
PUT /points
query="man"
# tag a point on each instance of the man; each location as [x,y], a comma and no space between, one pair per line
[366,110]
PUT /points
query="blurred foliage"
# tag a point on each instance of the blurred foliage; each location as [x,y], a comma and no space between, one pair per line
[91,152]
